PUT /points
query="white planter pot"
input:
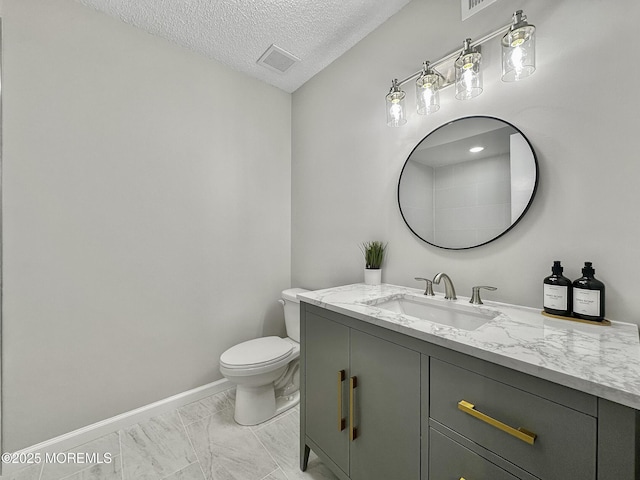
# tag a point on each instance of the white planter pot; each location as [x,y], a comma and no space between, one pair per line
[373,276]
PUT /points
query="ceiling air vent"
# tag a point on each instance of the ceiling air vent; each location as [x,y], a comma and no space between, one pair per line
[277,59]
[471,7]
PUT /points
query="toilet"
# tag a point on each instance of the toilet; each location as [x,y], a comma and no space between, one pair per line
[266,370]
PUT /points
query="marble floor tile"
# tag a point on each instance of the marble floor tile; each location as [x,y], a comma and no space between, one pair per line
[231,395]
[207,406]
[277,475]
[192,472]
[155,448]
[210,447]
[282,441]
[29,473]
[291,411]
[228,451]
[108,444]
[104,471]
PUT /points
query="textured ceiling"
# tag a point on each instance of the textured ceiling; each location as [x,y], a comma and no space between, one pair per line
[237,32]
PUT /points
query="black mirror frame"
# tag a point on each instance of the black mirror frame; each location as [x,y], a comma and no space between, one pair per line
[533,193]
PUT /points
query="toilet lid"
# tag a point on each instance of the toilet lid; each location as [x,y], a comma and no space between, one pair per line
[257,351]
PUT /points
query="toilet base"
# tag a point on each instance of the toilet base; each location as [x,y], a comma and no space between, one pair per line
[255,405]
[285,403]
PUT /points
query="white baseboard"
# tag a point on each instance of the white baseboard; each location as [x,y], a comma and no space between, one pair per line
[92,432]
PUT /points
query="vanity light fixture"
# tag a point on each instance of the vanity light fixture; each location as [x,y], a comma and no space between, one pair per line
[428,90]
[468,73]
[462,68]
[396,114]
[518,49]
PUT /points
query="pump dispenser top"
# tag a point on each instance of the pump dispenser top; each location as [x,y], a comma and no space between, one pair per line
[588,270]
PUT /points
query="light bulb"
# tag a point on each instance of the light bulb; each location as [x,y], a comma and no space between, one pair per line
[467,78]
[426,93]
[517,60]
[396,110]
[516,57]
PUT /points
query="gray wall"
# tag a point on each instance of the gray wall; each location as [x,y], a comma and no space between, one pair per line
[578,110]
[145,197]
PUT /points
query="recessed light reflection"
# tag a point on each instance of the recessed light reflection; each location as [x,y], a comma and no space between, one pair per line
[476,149]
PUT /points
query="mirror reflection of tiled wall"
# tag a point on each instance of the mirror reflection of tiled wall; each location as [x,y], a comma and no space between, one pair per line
[472,201]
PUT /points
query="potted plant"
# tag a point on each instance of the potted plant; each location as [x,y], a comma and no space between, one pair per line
[373,257]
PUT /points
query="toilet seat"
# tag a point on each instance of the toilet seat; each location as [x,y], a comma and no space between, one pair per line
[257,356]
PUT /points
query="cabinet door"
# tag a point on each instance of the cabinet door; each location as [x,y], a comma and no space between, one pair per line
[327,354]
[387,410]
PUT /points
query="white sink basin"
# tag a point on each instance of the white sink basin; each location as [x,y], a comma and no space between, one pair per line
[451,313]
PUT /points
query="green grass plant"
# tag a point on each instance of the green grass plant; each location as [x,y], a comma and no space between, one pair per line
[373,253]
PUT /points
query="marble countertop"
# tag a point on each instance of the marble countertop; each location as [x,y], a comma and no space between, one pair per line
[600,360]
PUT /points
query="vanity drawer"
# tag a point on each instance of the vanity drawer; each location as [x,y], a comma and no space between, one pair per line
[562,443]
[450,460]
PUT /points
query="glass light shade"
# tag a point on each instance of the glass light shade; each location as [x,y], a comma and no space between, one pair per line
[468,75]
[519,53]
[396,112]
[428,93]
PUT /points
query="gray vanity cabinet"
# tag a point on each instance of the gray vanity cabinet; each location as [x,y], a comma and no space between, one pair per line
[420,411]
[361,404]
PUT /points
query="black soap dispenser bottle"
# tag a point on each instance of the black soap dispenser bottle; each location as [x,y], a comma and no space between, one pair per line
[557,292]
[588,296]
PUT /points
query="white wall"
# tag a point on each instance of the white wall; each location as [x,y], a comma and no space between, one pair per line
[146,217]
[577,110]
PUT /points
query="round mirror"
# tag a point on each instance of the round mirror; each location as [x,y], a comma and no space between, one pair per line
[468,182]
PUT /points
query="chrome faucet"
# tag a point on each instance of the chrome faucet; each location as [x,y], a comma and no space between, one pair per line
[449,290]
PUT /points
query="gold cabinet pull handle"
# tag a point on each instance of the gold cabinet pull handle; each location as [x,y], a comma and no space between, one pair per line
[519,433]
[341,420]
[353,431]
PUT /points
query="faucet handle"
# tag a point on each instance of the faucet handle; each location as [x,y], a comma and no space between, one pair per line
[429,290]
[475,294]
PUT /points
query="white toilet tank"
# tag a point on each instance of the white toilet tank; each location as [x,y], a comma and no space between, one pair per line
[292,312]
